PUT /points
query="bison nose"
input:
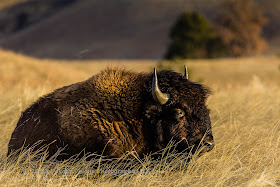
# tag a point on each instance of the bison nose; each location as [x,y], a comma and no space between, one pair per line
[209,143]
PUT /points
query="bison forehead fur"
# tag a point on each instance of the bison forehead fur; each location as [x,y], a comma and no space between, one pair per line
[115,109]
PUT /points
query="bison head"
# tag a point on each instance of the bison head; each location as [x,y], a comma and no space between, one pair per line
[176,110]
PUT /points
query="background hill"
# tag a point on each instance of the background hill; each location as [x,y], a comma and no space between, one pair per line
[108,29]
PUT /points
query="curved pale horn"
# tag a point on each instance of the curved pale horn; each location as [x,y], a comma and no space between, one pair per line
[186,72]
[158,96]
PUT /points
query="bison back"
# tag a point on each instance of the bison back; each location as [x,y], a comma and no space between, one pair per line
[37,123]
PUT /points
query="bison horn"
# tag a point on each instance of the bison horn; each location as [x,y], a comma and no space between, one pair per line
[186,72]
[158,96]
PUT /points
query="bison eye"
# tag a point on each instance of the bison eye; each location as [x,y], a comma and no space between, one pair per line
[179,113]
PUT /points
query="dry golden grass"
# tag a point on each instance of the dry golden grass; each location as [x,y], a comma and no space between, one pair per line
[245,114]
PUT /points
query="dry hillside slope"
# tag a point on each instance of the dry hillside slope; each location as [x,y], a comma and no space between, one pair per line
[109,29]
[95,29]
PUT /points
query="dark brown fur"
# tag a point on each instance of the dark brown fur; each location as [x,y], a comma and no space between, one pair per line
[115,109]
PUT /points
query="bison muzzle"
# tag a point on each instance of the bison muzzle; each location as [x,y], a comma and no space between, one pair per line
[117,111]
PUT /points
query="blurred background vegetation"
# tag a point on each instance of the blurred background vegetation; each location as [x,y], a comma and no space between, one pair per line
[146,29]
[193,37]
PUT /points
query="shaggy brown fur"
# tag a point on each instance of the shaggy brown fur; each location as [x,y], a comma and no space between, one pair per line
[115,110]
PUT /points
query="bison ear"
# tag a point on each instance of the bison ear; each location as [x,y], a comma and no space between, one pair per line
[186,72]
[158,96]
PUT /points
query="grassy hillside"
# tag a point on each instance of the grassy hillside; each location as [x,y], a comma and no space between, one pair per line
[245,116]
[106,29]
[9,3]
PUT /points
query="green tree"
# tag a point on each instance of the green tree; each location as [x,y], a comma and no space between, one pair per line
[192,37]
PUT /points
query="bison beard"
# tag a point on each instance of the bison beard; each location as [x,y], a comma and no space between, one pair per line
[120,111]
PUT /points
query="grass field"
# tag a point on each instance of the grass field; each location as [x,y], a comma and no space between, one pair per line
[245,115]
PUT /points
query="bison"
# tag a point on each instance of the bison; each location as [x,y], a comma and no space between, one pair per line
[117,111]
